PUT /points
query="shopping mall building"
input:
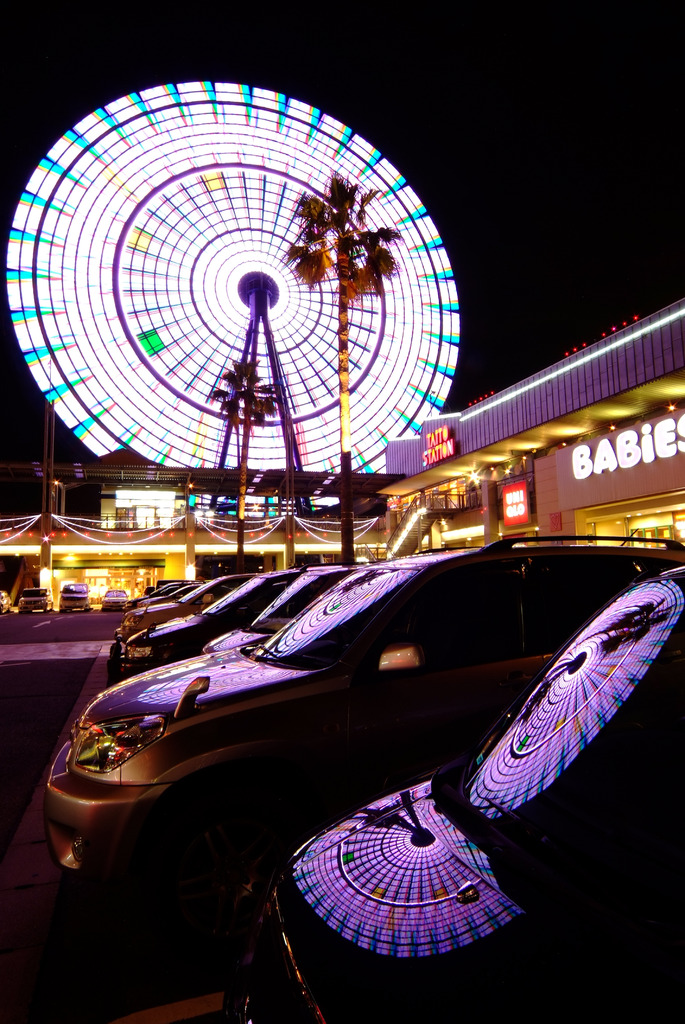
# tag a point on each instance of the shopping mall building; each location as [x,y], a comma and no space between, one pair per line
[594,444]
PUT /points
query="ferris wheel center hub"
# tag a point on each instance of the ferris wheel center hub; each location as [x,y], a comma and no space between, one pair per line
[257,281]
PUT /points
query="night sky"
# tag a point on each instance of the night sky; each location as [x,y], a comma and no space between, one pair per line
[548,150]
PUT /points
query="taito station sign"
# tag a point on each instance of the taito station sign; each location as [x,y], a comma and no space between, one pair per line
[440,444]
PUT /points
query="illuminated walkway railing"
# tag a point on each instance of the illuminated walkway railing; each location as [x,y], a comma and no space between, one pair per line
[94,530]
[106,530]
[14,528]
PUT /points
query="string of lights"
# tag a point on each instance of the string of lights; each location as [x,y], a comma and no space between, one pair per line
[15,527]
[229,522]
[334,523]
[232,531]
[624,337]
[221,530]
[101,534]
[570,351]
[317,532]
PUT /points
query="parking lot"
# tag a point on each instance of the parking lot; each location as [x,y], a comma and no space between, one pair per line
[121,942]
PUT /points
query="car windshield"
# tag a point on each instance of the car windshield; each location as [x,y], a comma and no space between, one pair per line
[116,593]
[295,597]
[248,589]
[75,588]
[590,693]
[177,593]
[320,634]
[34,592]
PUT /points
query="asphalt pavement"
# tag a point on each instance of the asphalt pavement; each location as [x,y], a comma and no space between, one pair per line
[56,932]
[29,882]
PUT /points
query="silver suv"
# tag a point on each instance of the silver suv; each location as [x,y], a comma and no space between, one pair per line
[35,599]
[201,771]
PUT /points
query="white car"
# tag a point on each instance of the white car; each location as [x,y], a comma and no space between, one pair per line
[74,597]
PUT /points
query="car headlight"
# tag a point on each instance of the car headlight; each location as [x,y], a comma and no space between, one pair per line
[133,651]
[103,746]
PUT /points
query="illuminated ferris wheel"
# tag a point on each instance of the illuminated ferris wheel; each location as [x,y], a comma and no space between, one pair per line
[130,265]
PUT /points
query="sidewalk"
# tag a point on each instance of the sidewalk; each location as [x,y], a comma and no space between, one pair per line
[29,882]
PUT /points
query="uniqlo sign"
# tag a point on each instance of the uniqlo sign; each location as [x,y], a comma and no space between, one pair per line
[515,504]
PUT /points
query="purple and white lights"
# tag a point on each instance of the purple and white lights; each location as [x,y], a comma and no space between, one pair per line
[578,696]
[399,879]
[124,261]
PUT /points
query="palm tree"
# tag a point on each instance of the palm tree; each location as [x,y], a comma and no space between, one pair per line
[334,241]
[246,404]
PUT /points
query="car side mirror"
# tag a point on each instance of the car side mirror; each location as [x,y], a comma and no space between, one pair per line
[401,656]
[208,598]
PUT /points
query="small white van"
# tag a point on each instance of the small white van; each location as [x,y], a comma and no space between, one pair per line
[74,596]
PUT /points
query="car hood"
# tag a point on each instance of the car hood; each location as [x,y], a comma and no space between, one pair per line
[156,605]
[229,641]
[171,626]
[398,879]
[389,914]
[159,690]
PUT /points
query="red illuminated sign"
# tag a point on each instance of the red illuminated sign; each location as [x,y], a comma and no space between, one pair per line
[515,504]
[440,446]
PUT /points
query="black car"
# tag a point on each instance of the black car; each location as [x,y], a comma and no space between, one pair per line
[544,869]
[185,636]
[308,584]
[173,588]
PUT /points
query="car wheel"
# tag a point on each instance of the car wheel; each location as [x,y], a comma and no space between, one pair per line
[222,873]
[220,865]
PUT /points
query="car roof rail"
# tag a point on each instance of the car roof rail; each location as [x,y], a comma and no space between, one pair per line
[507,543]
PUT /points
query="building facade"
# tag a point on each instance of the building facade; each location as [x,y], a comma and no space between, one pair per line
[161,522]
[594,444]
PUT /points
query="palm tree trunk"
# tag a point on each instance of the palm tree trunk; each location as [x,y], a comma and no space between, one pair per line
[346,496]
[242,491]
